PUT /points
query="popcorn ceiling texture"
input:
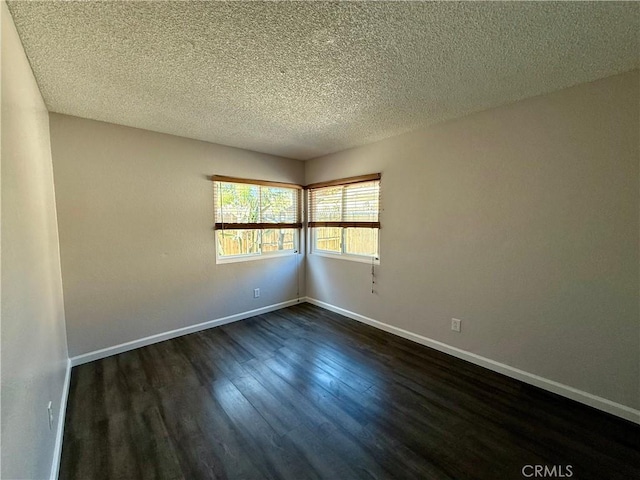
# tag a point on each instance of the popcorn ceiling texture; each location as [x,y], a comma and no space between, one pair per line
[304,79]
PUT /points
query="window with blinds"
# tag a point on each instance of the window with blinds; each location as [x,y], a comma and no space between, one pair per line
[344,217]
[255,218]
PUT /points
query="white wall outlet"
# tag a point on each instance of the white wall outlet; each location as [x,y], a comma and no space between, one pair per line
[456,325]
[50,415]
[256,293]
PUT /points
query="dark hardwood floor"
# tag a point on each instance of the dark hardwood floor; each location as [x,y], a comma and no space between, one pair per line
[303,393]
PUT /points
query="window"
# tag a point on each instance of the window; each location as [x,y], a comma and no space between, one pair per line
[255,219]
[344,217]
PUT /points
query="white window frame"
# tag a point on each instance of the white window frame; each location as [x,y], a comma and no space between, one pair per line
[342,255]
[249,257]
[222,259]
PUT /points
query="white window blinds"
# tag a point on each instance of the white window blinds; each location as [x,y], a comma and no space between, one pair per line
[348,203]
[255,204]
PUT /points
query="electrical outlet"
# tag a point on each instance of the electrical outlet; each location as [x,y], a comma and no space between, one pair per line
[50,415]
[256,293]
[456,325]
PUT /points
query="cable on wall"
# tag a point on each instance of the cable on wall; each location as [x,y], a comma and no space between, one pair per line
[373,273]
[297,260]
[374,259]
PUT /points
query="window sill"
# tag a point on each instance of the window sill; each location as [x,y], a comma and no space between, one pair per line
[251,258]
[351,258]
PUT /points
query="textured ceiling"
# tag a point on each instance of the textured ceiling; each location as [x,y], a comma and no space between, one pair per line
[302,79]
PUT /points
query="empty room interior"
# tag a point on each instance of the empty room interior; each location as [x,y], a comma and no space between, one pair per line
[320,240]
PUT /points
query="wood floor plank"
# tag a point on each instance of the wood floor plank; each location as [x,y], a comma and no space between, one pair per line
[205,439]
[281,459]
[282,420]
[304,393]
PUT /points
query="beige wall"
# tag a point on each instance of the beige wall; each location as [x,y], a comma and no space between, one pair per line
[34,349]
[135,210]
[523,222]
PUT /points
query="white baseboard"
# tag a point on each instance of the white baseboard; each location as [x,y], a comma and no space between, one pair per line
[586,398]
[57,451]
[572,393]
[160,337]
